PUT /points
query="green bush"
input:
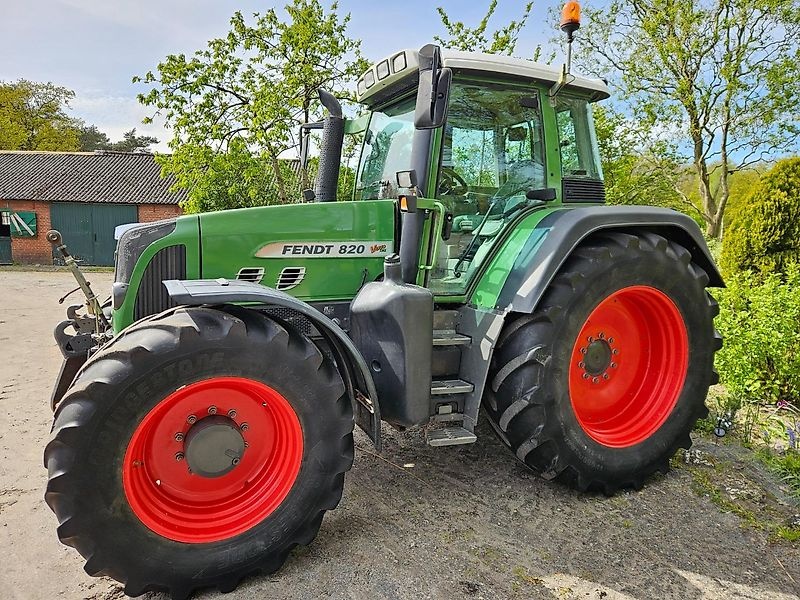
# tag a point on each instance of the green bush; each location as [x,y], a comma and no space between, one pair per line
[764,233]
[760,323]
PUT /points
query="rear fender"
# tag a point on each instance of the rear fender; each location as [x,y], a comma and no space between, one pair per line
[540,259]
[354,370]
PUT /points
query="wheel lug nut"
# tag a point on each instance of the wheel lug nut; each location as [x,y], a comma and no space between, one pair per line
[610,340]
[244,426]
[583,350]
[605,375]
[246,445]
[613,365]
[615,351]
[581,364]
[590,339]
[179,437]
[179,456]
[586,376]
[232,413]
[191,419]
[595,380]
[235,462]
[601,335]
[212,410]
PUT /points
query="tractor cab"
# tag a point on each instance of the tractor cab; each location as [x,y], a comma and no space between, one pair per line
[505,144]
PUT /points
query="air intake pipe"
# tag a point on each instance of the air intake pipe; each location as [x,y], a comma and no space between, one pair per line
[331,152]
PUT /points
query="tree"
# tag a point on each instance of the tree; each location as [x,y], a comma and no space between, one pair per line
[91,139]
[718,75]
[636,168]
[33,117]
[247,93]
[477,39]
[131,142]
[764,235]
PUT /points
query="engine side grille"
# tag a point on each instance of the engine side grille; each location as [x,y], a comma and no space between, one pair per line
[152,297]
[290,277]
[583,190]
[254,274]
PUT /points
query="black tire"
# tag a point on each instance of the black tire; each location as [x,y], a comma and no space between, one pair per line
[528,399]
[120,385]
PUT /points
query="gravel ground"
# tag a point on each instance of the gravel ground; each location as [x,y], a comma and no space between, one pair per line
[419,522]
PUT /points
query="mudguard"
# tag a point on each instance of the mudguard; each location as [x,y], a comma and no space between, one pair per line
[353,368]
[541,257]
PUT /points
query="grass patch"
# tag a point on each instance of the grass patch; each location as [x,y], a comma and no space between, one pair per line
[785,465]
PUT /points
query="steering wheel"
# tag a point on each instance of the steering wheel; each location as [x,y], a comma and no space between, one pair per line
[451,183]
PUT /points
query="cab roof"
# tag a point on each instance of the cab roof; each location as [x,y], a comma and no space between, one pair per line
[402,68]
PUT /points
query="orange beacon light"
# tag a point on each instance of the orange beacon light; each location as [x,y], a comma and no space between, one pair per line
[570,18]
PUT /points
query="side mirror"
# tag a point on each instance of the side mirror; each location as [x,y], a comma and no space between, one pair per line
[544,194]
[433,92]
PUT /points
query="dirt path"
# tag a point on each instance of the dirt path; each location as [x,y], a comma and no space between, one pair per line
[465,522]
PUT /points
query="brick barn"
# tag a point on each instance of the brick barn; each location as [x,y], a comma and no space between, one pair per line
[84,195]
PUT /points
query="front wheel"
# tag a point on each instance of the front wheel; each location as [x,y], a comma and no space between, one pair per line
[602,384]
[198,447]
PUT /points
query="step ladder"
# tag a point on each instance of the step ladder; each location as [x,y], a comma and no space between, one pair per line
[447,388]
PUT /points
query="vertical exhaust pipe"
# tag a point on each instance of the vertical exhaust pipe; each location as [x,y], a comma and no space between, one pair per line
[331,151]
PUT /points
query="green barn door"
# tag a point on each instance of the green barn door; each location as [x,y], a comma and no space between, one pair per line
[74,221]
[106,217]
[88,229]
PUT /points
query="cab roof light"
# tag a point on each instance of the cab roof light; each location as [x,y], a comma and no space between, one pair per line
[399,62]
[382,69]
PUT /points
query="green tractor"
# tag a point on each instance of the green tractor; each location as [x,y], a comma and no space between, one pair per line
[204,418]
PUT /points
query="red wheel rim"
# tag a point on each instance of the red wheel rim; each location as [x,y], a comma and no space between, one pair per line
[628,366]
[186,507]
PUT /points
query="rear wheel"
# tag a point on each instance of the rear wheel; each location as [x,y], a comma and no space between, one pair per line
[602,384]
[196,448]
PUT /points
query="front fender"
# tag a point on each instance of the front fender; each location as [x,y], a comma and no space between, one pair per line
[542,256]
[352,366]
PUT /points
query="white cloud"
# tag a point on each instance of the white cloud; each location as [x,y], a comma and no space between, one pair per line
[114,115]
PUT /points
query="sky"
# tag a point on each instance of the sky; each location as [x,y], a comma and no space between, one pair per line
[95,47]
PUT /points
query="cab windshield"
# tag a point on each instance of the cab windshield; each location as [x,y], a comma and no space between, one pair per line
[387,150]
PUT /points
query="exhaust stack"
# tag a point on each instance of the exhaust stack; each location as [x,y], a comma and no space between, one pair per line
[331,150]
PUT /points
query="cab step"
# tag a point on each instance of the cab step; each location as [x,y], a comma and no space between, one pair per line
[440,387]
[450,436]
[449,337]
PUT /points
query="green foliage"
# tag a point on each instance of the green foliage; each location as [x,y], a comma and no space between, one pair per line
[764,234]
[245,96]
[759,362]
[477,39]
[717,77]
[33,117]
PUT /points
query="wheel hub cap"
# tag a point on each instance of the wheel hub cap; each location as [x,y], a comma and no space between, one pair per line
[214,446]
[598,357]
